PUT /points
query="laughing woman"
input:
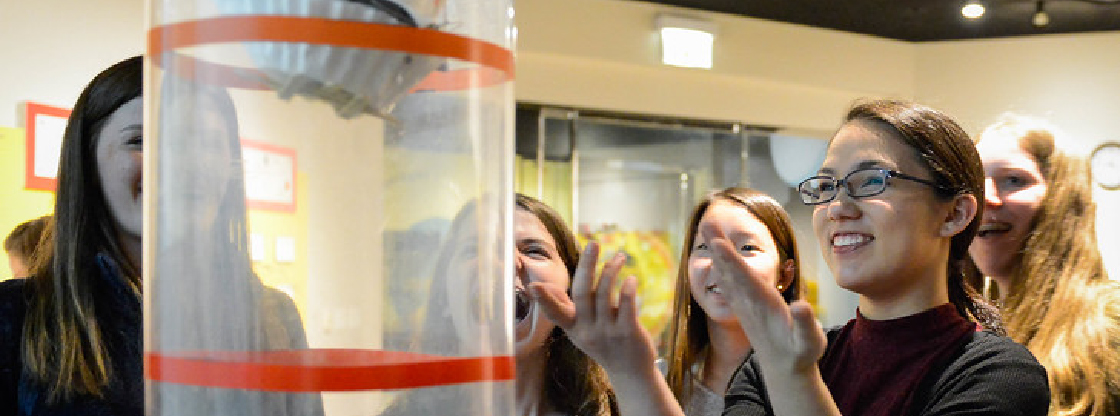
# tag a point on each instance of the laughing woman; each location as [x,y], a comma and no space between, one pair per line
[896,207]
[1038,244]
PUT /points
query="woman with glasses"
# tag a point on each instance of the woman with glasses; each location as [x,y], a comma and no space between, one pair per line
[1037,243]
[896,207]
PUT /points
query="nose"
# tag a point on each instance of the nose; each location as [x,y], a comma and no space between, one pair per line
[843,207]
[519,271]
[991,193]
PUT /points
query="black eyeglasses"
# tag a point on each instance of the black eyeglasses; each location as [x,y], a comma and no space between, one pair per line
[860,183]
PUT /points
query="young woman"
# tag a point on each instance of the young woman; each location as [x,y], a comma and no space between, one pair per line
[204,294]
[554,378]
[70,336]
[707,341]
[896,209]
[1037,243]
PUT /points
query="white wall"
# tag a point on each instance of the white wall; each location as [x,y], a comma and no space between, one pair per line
[52,48]
[606,54]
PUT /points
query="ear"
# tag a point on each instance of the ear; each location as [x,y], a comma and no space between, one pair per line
[785,277]
[961,213]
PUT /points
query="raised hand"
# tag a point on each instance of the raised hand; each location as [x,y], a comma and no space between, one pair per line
[605,328]
[787,338]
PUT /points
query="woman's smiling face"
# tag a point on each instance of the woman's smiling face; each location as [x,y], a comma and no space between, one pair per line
[885,244]
[1014,189]
[753,241]
[120,153]
[537,259]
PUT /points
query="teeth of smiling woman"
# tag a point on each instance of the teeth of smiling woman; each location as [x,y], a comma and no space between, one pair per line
[848,240]
[994,226]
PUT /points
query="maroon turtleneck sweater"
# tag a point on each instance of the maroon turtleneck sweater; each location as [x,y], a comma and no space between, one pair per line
[872,367]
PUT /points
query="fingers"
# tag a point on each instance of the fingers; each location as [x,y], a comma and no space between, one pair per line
[627,301]
[583,292]
[736,276]
[554,303]
[604,294]
[805,325]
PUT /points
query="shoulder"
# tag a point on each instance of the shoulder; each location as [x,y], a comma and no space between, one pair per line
[991,373]
[13,305]
[985,346]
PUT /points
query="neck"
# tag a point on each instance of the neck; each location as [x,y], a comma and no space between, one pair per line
[924,292]
[133,248]
[1003,285]
[530,384]
[729,344]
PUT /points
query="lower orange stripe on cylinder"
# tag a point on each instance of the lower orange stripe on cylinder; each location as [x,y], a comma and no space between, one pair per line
[323,370]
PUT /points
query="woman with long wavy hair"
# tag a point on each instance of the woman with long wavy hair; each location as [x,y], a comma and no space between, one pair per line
[1037,243]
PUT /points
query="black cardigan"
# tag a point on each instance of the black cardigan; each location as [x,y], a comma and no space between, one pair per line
[118,311]
[989,375]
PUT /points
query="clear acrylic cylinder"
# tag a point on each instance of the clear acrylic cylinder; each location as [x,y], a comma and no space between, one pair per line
[328,196]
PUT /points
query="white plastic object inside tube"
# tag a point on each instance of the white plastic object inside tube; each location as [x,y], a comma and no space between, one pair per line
[353,80]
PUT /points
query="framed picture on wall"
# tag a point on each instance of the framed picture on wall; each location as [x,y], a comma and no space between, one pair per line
[44,127]
[270,176]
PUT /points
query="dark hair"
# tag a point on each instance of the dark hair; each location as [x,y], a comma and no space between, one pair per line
[575,385]
[25,237]
[688,329]
[63,345]
[944,149]
[221,280]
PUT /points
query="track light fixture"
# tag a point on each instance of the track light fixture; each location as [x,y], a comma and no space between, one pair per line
[1040,18]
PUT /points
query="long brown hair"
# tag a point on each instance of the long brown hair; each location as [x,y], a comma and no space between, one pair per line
[944,149]
[689,340]
[575,384]
[63,345]
[1060,303]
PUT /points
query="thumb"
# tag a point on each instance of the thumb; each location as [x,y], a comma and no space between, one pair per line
[555,304]
[805,326]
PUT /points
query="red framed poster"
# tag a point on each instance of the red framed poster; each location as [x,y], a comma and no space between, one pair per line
[44,126]
[270,176]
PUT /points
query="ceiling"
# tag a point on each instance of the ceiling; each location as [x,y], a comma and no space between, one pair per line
[923,20]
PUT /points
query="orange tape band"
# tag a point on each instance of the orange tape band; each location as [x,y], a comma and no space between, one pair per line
[324,370]
[328,32]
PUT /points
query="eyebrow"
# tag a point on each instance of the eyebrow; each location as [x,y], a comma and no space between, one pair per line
[131,127]
[533,240]
[862,165]
[746,236]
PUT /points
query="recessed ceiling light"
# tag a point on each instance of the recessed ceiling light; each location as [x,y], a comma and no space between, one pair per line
[972,10]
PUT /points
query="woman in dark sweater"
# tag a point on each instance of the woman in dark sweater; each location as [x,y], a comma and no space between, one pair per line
[70,335]
[896,208]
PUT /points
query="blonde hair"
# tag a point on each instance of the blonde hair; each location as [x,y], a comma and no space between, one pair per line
[1060,303]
